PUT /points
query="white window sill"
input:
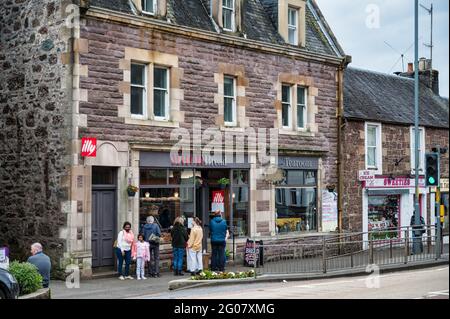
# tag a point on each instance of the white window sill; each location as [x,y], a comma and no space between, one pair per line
[232,129]
[156,123]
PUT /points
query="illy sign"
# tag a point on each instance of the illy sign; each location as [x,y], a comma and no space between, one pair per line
[89,147]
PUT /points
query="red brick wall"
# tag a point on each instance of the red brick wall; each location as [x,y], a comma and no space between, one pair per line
[396,145]
[200,60]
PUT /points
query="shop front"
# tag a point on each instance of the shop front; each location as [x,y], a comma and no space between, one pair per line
[173,186]
[296,195]
[388,205]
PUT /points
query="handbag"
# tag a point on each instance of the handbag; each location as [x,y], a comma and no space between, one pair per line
[154,239]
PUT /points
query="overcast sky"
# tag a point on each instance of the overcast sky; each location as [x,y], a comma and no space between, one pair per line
[354,23]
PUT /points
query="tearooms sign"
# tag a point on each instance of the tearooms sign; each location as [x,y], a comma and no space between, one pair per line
[89,147]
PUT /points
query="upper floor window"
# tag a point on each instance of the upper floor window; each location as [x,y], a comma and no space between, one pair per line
[140,84]
[293,26]
[161,93]
[228,8]
[373,147]
[139,90]
[301,107]
[229,93]
[421,149]
[149,6]
[286,110]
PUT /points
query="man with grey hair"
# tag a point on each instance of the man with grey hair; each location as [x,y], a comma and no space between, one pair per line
[42,262]
[152,234]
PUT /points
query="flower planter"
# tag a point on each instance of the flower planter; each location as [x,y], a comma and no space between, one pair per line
[131,193]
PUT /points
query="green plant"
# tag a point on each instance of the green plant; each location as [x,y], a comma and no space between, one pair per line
[210,275]
[224,181]
[27,276]
[132,188]
[227,253]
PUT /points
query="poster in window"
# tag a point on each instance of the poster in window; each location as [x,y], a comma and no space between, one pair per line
[329,211]
[218,202]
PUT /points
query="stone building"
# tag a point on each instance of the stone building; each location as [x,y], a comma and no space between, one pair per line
[138,75]
[378,138]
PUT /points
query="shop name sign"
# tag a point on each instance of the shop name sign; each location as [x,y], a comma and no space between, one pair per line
[398,182]
[366,175]
[89,147]
[298,163]
[201,160]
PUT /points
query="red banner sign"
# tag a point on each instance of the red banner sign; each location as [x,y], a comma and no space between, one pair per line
[89,147]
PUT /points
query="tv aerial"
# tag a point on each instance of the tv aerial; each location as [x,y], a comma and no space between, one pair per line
[402,56]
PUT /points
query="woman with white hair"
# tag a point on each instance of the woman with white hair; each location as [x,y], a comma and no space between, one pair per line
[152,234]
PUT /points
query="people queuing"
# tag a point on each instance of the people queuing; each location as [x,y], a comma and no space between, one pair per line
[194,248]
[125,241]
[152,234]
[141,254]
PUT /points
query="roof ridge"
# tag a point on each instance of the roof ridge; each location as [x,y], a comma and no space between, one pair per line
[380,73]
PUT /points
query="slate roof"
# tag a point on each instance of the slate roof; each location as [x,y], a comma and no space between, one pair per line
[380,97]
[257,21]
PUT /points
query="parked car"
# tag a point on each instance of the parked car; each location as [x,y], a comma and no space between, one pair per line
[9,288]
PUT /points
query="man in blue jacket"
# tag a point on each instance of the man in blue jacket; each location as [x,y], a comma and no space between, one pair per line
[218,228]
[42,263]
[152,234]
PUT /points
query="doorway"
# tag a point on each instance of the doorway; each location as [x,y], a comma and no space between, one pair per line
[104,216]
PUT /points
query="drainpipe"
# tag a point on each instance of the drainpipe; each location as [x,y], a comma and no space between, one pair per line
[340,114]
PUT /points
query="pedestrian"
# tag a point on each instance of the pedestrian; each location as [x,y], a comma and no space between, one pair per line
[418,230]
[124,243]
[152,234]
[179,239]
[194,248]
[141,254]
[42,263]
[218,228]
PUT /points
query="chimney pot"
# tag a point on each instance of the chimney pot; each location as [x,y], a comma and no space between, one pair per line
[410,67]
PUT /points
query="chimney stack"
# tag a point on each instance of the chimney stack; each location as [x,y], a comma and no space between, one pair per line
[427,76]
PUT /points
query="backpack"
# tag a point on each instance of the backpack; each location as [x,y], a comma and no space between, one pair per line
[154,239]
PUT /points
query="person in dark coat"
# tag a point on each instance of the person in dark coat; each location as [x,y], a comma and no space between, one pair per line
[179,240]
[218,228]
[42,263]
[152,234]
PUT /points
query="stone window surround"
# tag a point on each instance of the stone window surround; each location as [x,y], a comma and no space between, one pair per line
[312,92]
[241,82]
[379,152]
[283,9]
[161,8]
[176,95]
[422,150]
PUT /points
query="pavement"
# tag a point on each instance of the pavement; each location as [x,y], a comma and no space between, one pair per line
[113,288]
[429,283]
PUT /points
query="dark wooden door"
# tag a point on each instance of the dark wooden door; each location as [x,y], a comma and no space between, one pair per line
[104,216]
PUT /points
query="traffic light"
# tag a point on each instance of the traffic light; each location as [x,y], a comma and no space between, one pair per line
[432,169]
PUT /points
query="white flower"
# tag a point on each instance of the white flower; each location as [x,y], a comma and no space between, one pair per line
[232,274]
[202,274]
[214,274]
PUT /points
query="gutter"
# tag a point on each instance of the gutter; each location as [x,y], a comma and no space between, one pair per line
[124,18]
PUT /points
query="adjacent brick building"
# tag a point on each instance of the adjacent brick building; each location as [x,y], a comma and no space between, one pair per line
[137,75]
[378,136]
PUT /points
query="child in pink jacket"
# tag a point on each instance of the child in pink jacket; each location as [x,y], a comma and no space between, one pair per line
[141,253]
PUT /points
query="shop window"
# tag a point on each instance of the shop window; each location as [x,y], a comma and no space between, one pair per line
[444,201]
[240,177]
[153,177]
[296,202]
[240,210]
[384,214]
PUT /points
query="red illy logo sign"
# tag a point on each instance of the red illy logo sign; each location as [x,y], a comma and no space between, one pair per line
[89,147]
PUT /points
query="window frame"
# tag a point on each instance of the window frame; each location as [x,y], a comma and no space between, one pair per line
[421,151]
[144,87]
[378,168]
[305,109]
[293,27]
[234,99]
[155,6]
[232,9]
[167,90]
[289,104]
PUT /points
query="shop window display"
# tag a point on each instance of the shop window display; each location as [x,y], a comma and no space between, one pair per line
[384,212]
[296,202]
